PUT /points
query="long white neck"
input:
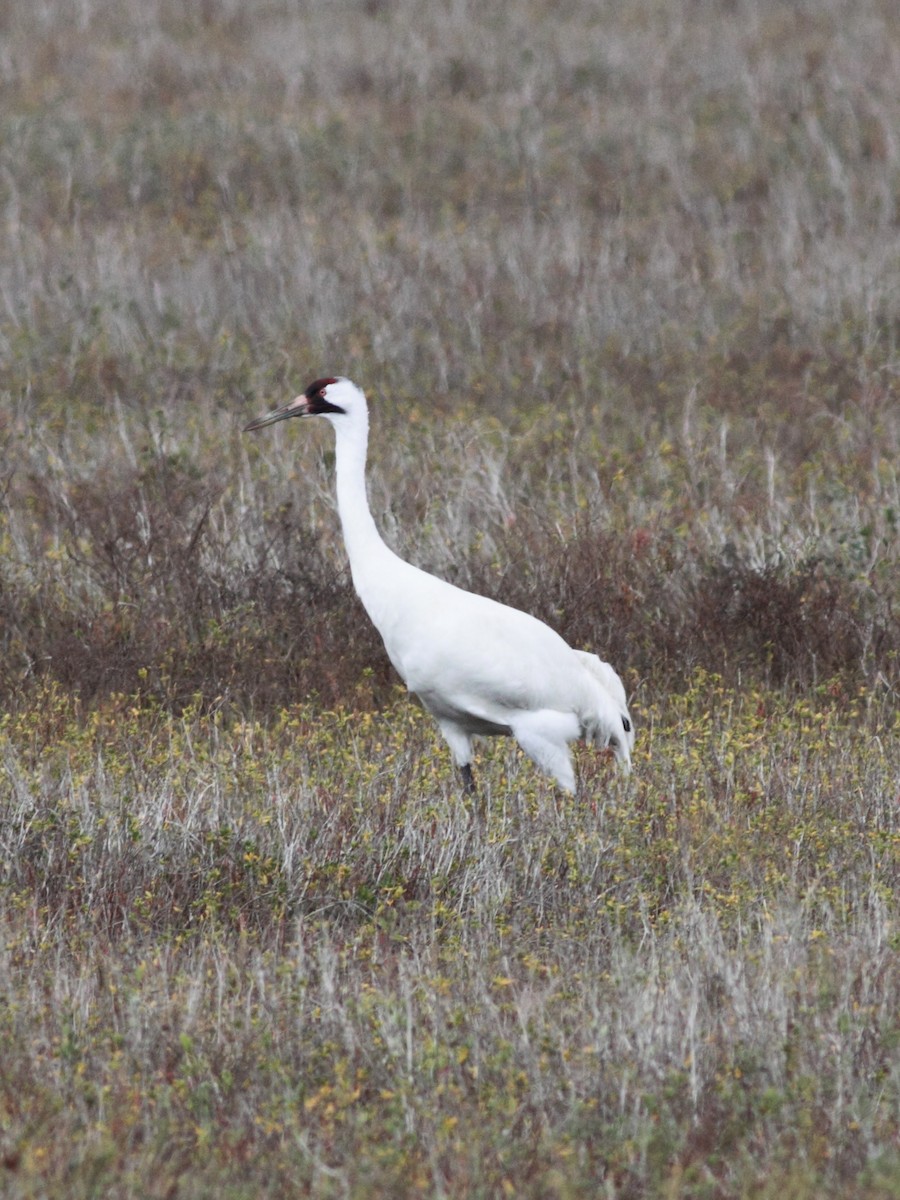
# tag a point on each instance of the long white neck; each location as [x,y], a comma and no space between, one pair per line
[366,550]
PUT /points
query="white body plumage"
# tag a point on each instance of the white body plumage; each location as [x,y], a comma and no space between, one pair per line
[479,667]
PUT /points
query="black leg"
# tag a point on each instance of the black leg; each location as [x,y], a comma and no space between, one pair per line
[468,780]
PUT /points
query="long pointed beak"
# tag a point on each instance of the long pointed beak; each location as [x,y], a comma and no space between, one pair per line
[298,407]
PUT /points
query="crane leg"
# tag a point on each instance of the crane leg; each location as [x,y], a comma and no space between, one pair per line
[460,744]
[468,779]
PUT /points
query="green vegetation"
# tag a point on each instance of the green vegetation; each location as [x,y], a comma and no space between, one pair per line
[622,286]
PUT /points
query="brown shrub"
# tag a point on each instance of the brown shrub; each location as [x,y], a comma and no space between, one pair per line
[659,610]
[158,608]
[161,609]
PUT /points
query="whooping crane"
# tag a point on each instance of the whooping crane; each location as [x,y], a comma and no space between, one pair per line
[479,667]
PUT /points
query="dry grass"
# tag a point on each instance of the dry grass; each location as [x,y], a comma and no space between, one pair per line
[622,286]
[283,958]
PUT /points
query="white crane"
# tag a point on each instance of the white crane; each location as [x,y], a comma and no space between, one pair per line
[480,668]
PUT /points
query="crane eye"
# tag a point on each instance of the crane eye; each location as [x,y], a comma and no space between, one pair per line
[626,725]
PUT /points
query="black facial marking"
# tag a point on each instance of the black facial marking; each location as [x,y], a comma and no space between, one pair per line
[626,724]
[315,395]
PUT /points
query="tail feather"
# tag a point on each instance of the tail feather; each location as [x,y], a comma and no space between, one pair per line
[614,689]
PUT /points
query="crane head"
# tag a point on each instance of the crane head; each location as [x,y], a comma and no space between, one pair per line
[323,398]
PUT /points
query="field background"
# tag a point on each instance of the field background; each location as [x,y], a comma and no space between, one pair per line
[622,282]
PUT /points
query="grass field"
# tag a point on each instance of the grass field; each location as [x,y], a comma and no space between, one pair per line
[622,283]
